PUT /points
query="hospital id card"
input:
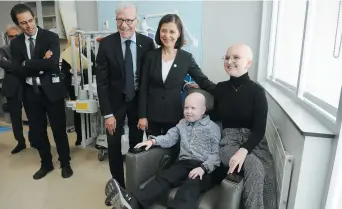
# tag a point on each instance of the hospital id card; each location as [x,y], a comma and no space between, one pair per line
[55,79]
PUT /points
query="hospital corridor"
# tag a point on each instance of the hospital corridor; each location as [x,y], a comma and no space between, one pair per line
[233,104]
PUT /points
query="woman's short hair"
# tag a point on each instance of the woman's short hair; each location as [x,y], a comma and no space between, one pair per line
[175,19]
[18,9]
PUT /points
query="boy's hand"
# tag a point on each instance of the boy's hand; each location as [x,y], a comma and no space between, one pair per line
[196,172]
[148,144]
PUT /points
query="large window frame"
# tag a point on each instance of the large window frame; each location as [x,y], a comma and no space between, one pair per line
[326,113]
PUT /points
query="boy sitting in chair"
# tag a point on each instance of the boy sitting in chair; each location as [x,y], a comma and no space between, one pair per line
[199,156]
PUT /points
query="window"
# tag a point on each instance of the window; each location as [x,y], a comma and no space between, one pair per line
[307,58]
[288,41]
[324,65]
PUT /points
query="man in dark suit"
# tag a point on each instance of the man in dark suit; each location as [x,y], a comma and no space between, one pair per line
[119,61]
[12,89]
[35,57]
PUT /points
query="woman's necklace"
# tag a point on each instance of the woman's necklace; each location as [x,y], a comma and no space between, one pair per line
[236,89]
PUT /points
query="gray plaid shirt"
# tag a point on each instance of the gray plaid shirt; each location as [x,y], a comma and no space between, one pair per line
[198,141]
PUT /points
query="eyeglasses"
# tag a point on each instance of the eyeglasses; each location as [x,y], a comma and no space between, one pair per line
[233,58]
[128,21]
[12,36]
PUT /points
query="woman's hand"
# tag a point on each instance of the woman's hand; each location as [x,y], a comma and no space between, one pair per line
[237,160]
[48,54]
[142,124]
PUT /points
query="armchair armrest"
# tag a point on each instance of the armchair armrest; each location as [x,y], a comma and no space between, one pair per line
[141,165]
[230,194]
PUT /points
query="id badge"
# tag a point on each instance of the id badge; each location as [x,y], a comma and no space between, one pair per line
[55,78]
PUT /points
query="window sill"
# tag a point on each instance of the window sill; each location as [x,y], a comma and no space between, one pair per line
[302,119]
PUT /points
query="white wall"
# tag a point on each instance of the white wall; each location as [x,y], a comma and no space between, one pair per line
[225,23]
[87,15]
[293,142]
[5,17]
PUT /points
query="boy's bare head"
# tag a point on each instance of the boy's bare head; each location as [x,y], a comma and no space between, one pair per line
[194,107]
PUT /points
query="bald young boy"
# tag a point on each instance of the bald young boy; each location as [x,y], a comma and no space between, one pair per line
[199,156]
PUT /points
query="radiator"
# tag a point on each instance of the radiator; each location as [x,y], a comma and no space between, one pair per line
[283,163]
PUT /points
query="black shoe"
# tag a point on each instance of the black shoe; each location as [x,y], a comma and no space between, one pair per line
[119,197]
[34,146]
[107,201]
[67,172]
[78,142]
[42,172]
[18,148]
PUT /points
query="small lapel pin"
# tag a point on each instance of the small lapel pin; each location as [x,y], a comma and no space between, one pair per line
[174,65]
[140,46]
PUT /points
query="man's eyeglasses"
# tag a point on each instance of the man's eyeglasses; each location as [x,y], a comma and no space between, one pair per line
[12,36]
[233,58]
[128,21]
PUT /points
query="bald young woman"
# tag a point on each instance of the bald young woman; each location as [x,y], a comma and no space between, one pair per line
[241,105]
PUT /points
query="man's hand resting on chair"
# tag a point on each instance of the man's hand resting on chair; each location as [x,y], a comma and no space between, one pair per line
[147,144]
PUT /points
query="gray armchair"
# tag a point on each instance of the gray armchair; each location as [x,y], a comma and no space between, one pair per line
[142,166]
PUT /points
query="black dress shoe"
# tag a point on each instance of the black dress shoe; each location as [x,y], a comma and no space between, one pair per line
[34,146]
[42,172]
[78,142]
[107,201]
[67,171]
[18,148]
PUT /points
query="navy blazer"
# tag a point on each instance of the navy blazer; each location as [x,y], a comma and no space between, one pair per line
[161,101]
[46,40]
[110,72]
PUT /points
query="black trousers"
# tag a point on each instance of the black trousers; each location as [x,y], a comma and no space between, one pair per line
[157,128]
[15,110]
[39,106]
[114,141]
[175,176]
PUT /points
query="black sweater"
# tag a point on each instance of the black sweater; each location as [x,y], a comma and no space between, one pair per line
[241,103]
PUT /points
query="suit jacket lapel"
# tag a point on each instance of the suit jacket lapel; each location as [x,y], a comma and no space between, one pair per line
[37,44]
[140,46]
[118,52]
[23,48]
[159,65]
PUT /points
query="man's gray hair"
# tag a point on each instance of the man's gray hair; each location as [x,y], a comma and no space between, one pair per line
[125,5]
[13,27]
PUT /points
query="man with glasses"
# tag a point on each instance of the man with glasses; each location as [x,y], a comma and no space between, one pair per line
[13,90]
[35,58]
[119,64]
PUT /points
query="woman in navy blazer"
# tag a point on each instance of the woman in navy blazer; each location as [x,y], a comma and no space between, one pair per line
[163,73]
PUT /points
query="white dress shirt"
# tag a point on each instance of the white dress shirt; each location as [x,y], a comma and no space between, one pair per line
[166,67]
[27,42]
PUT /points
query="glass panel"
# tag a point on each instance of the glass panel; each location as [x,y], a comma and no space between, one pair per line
[289,39]
[324,72]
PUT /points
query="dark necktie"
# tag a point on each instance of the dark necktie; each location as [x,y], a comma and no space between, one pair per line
[129,88]
[34,79]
